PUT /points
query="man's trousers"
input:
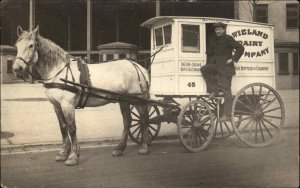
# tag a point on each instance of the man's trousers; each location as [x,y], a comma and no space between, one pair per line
[214,79]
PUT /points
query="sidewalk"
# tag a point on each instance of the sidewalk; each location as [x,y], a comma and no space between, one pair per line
[28,119]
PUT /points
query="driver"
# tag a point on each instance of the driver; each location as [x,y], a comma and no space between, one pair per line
[219,68]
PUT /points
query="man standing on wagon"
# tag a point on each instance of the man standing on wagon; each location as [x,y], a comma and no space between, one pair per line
[220,62]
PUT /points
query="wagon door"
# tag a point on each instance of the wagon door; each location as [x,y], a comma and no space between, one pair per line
[191,57]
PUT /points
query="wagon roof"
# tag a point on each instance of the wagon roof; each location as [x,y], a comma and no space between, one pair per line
[149,23]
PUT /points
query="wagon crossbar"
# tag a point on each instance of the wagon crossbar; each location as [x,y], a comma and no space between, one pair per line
[117,96]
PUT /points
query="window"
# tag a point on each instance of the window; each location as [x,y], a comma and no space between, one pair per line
[190,38]
[9,66]
[122,56]
[295,63]
[261,13]
[109,57]
[292,16]
[283,64]
[163,35]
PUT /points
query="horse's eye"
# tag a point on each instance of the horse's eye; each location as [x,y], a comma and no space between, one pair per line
[31,46]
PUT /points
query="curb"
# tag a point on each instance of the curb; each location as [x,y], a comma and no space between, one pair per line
[106,142]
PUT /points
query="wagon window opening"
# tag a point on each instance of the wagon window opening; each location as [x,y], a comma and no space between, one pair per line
[158,37]
[163,35]
[167,34]
[190,38]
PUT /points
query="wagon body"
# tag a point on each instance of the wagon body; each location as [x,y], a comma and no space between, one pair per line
[175,70]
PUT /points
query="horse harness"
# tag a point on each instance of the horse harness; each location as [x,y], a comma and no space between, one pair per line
[84,78]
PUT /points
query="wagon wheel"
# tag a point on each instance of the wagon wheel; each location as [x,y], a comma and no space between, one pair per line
[195,126]
[135,129]
[263,114]
[222,129]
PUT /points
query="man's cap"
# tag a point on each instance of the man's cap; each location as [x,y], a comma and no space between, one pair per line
[219,24]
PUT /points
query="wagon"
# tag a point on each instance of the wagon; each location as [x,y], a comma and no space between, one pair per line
[178,46]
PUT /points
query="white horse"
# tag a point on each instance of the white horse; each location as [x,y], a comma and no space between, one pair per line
[53,63]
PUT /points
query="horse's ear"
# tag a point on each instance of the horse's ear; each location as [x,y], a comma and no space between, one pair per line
[19,30]
[35,32]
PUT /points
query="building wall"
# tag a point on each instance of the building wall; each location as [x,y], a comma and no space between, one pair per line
[276,17]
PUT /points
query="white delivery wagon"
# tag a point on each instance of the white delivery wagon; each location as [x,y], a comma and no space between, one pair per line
[178,47]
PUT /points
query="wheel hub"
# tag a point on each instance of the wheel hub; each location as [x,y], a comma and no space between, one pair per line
[258,114]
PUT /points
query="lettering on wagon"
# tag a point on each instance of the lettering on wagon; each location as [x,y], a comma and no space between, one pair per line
[256,42]
[190,66]
[252,68]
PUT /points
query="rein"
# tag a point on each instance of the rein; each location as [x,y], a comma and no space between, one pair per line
[67,65]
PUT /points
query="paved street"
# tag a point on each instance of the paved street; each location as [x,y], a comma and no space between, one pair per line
[32,138]
[226,163]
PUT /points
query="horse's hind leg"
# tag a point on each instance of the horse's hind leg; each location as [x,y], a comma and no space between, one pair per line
[144,117]
[69,115]
[66,147]
[125,110]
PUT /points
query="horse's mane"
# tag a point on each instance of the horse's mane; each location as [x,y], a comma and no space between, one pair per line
[49,53]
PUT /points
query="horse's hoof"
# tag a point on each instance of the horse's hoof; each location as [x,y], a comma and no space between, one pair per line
[73,159]
[117,153]
[61,158]
[144,151]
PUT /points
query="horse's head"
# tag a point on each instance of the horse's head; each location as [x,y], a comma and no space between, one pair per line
[27,51]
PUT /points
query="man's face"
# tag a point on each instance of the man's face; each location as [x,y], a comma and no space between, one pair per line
[219,31]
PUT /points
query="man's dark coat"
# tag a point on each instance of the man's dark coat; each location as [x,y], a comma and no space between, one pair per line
[220,50]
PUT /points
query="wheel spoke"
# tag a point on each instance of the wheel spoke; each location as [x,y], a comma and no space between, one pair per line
[250,102]
[135,120]
[276,117]
[199,136]
[243,119]
[155,130]
[256,132]
[244,104]
[262,134]
[266,128]
[250,130]
[253,95]
[152,112]
[263,108]
[251,120]
[270,123]
[138,135]
[221,127]
[216,127]
[205,120]
[133,125]
[150,134]
[136,115]
[272,109]
[266,96]
[227,127]
[135,130]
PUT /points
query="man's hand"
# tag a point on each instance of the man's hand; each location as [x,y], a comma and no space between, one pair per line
[229,61]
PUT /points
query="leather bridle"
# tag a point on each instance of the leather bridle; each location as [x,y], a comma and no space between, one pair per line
[28,63]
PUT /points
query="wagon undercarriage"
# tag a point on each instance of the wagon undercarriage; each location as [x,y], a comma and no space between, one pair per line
[257,116]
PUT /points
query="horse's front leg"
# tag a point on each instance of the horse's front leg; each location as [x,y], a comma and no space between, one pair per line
[125,110]
[66,147]
[144,118]
[69,115]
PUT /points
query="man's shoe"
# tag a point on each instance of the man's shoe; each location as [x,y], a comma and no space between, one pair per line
[212,95]
[225,118]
